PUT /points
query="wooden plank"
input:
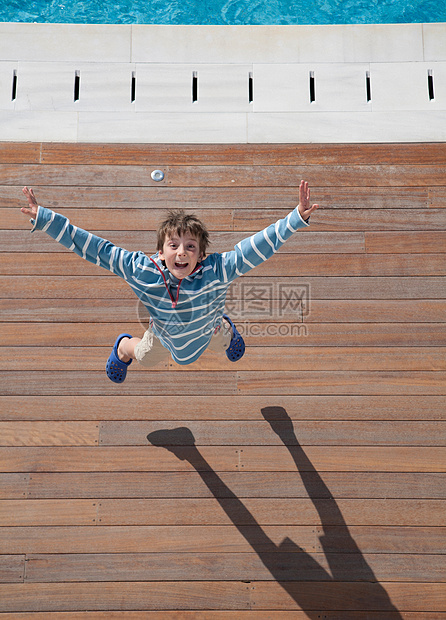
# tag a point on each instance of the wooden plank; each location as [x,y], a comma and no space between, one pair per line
[162,197]
[323,433]
[249,383]
[337,539]
[366,458]
[27,287]
[20,152]
[218,539]
[102,154]
[406,242]
[22,241]
[393,175]
[211,198]
[268,333]
[12,568]
[107,459]
[225,595]
[14,486]
[351,596]
[97,310]
[75,383]
[373,311]
[50,512]
[266,511]
[115,407]
[437,197]
[300,567]
[165,539]
[123,219]
[279,334]
[205,511]
[66,358]
[351,382]
[402,243]
[134,240]
[370,288]
[285,154]
[328,220]
[224,458]
[319,311]
[16,241]
[49,433]
[95,383]
[333,220]
[79,485]
[354,265]
[257,358]
[224,615]
[322,358]
[45,264]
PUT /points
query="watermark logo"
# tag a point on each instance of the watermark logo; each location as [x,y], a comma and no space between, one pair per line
[295,299]
[275,301]
[264,331]
[276,309]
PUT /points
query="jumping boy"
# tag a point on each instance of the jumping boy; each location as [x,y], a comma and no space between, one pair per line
[183,290]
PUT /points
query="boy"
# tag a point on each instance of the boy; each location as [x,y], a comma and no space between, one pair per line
[183,290]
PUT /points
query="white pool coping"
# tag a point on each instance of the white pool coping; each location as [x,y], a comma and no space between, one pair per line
[405,63]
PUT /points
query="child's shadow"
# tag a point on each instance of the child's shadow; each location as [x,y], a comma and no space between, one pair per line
[290,565]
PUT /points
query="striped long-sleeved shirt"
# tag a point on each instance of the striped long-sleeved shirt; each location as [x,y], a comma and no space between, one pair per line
[184,323]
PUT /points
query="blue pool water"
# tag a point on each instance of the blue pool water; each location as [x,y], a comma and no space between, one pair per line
[220,12]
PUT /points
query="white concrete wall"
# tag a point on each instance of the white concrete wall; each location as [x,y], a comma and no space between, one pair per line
[46,57]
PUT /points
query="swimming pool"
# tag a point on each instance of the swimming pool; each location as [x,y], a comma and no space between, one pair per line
[221,12]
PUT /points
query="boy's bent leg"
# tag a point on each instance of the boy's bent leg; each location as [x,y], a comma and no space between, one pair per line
[126,348]
[149,351]
[115,368]
[227,339]
[221,338]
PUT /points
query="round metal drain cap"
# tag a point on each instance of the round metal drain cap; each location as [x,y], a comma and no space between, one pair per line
[157,175]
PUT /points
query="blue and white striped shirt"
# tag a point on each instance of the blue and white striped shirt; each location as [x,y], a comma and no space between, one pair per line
[184,324]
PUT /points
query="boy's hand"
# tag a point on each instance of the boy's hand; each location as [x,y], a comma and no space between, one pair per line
[304,201]
[32,203]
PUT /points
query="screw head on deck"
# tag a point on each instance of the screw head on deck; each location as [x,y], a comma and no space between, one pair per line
[157,175]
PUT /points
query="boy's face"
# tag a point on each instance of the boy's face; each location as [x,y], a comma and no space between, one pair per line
[181,255]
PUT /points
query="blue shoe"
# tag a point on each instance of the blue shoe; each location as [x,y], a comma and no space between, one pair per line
[236,348]
[116,369]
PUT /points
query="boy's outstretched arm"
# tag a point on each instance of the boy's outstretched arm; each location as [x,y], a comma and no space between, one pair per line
[91,247]
[305,209]
[32,203]
[257,248]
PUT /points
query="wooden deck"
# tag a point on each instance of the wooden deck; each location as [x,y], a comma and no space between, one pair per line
[307,480]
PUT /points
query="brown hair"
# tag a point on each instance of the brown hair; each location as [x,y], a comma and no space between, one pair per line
[180,222]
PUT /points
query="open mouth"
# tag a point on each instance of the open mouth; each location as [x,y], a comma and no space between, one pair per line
[181,265]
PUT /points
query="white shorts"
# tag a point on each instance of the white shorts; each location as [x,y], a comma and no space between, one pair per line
[150,352]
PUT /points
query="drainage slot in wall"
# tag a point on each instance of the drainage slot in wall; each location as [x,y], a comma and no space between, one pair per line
[368,86]
[133,87]
[250,87]
[312,88]
[194,86]
[430,84]
[14,85]
[77,84]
